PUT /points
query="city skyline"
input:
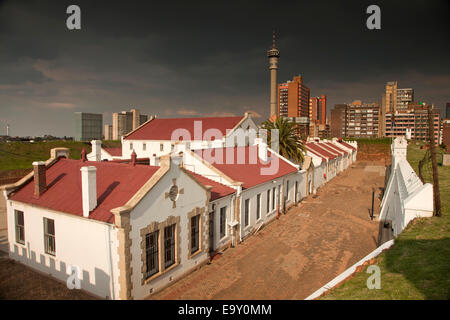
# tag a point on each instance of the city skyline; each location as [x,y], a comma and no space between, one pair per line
[194,60]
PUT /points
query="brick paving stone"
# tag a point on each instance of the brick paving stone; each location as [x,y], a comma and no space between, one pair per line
[295,255]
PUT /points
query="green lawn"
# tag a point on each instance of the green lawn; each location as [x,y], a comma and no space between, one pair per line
[418,265]
[20,155]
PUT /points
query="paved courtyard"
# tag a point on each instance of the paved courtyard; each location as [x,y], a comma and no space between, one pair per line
[294,256]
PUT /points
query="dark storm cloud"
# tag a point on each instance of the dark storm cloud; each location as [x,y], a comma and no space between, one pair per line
[202,58]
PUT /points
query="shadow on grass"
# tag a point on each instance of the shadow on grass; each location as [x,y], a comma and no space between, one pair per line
[424,263]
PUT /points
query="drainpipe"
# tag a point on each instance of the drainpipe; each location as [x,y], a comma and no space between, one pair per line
[108,240]
[238,197]
[233,229]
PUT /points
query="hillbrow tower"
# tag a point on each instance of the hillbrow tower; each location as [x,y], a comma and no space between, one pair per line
[273,54]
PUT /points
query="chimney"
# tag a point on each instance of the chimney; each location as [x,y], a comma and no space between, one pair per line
[133,158]
[97,149]
[262,149]
[40,181]
[89,189]
[83,155]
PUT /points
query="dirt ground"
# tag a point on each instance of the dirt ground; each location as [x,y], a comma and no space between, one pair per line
[294,256]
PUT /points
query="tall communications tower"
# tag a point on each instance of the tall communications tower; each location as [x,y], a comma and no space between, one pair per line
[273,54]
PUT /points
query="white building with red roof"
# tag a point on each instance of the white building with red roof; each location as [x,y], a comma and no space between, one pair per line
[132,227]
[158,136]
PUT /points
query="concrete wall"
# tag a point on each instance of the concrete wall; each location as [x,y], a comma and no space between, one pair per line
[87,244]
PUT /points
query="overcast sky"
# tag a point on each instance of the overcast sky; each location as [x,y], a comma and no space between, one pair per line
[208,58]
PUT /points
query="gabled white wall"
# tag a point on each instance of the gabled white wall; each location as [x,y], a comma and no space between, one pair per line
[155,207]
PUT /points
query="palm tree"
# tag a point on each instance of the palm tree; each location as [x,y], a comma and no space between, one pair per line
[290,144]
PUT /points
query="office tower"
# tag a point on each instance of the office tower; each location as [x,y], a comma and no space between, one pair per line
[136,114]
[404,98]
[88,126]
[337,125]
[108,132]
[273,54]
[447,111]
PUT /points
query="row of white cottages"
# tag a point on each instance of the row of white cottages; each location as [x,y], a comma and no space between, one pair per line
[131,229]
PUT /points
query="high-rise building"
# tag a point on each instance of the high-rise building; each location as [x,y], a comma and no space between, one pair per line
[108,132]
[273,54]
[390,97]
[88,126]
[404,98]
[322,109]
[447,111]
[293,98]
[126,121]
[338,116]
[313,108]
[415,121]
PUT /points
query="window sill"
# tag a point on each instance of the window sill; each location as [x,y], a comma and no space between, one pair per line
[196,253]
[160,273]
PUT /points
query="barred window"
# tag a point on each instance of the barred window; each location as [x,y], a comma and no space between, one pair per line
[195,224]
[223,218]
[151,253]
[49,236]
[246,211]
[258,206]
[169,245]
[273,199]
[161,147]
[20,227]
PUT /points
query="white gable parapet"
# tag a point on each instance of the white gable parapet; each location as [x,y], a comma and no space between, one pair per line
[405,197]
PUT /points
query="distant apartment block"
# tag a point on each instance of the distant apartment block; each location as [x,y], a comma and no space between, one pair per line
[126,121]
[413,123]
[362,120]
[404,98]
[88,126]
[447,111]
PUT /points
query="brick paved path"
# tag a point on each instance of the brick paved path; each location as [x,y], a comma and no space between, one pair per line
[294,256]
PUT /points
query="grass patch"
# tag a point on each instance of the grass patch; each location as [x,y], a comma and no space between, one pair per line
[418,265]
[20,155]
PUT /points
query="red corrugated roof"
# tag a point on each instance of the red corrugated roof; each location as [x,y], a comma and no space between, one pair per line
[248,172]
[218,190]
[335,147]
[320,150]
[161,129]
[116,184]
[331,150]
[345,144]
[115,152]
[323,158]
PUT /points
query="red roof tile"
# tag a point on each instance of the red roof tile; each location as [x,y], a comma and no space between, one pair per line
[161,129]
[116,184]
[248,172]
[115,152]
[314,146]
[218,190]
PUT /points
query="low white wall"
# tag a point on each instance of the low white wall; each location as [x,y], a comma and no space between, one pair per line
[87,244]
